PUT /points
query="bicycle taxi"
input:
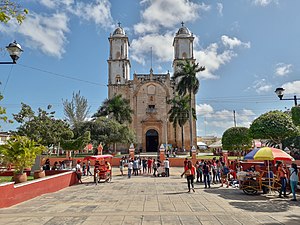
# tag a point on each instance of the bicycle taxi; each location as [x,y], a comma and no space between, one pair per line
[259,180]
[102,167]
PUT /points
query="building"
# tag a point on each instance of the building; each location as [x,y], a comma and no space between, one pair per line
[4,137]
[148,93]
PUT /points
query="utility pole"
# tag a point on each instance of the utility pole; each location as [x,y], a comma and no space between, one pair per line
[234,120]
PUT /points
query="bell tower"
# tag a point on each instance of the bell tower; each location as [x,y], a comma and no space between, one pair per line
[118,62]
[183,46]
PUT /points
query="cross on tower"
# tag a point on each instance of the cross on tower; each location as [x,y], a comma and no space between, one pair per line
[182,23]
[119,24]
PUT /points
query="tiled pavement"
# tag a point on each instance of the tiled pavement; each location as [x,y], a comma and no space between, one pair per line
[146,200]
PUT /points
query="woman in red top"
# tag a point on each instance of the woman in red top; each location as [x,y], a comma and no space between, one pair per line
[281,173]
[189,171]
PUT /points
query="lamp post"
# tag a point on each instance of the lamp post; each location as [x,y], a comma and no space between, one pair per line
[14,50]
[280,93]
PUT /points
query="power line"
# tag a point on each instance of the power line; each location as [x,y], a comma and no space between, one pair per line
[61,75]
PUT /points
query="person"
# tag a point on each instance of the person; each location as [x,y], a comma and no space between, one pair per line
[294,180]
[135,166]
[107,166]
[96,168]
[167,167]
[78,171]
[281,172]
[108,170]
[144,162]
[154,167]
[130,166]
[206,174]
[83,169]
[88,168]
[47,164]
[197,171]
[149,164]
[185,162]
[224,174]
[190,172]
[122,162]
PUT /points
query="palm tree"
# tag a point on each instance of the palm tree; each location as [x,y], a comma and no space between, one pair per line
[76,110]
[188,83]
[179,113]
[116,107]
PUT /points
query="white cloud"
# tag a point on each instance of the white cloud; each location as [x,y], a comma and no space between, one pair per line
[47,33]
[55,4]
[167,14]
[233,42]
[212,60]
[142,46]
[283,69]
[292,87]
[204,109]
[264,2]
[220,8]
[99,12]
[261,86]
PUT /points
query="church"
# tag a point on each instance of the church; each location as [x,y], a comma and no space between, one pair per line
[148,93]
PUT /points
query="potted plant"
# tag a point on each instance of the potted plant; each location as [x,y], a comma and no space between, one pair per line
[21,152]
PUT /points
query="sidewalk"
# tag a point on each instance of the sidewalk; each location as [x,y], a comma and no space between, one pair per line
[151,200]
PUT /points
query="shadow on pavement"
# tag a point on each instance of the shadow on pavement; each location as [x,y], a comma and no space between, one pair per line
[235,194]
[292,220]
[175,193]
[263,206]
[253,203]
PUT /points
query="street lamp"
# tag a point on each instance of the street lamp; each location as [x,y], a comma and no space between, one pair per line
[14,50]
[280,92]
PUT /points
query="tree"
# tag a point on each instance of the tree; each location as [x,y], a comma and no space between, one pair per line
[76,110]
[21,152]
[3,116]
[179,113]
[296,115]
[188,84]
[106,131]
[275,126]
[236,138]
[10,9]
[42,127]
[77,143]
[116,107]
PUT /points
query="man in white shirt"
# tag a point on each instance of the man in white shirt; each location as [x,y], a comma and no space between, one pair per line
[167,167]
[130,166]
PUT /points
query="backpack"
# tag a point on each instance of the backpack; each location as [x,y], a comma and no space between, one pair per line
[225,170]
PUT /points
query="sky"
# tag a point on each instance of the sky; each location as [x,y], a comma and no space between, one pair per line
[249,48]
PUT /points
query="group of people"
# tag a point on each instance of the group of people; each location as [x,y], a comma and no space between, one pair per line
[144,165]
[283,174]
[207,172]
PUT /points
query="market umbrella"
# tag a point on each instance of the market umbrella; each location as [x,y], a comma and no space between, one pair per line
[268,153]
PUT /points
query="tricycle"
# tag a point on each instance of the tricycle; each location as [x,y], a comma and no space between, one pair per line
[102,167]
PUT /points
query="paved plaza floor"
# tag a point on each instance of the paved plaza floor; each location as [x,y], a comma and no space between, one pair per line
[146,200]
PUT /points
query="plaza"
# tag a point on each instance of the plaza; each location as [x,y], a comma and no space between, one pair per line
[151,200]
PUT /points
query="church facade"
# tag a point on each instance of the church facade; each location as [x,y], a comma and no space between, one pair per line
[148,93]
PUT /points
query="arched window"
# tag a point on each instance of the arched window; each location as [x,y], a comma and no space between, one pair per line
[118,79]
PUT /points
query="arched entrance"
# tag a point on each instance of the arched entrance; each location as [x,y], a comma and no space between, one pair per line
[151,141]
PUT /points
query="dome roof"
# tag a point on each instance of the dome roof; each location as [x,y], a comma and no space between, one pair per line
[119,32]
[183,31]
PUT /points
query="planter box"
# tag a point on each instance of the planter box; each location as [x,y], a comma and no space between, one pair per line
[11,194]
